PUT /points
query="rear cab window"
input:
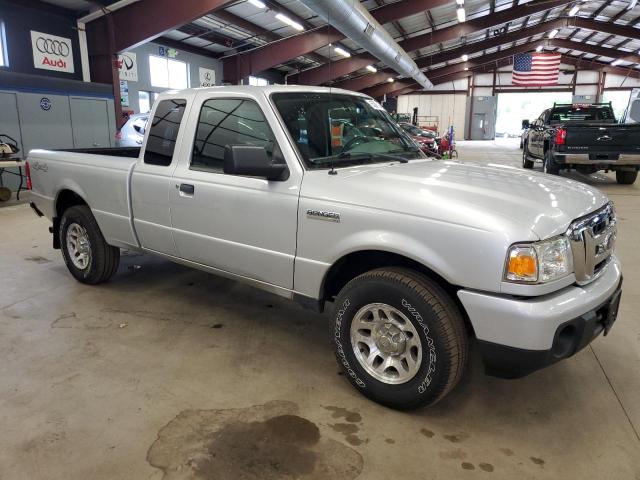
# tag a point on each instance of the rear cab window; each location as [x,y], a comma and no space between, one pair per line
[163,132]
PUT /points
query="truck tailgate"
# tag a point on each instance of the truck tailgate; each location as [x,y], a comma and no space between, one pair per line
[602,138]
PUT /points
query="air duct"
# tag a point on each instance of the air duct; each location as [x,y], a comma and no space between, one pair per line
[355,22]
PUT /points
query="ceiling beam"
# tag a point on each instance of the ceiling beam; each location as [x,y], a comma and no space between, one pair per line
[145,20]
[254,61]
[606,27]
[596,50]
[258,31]
[460,30]
[326,73]
[365,81]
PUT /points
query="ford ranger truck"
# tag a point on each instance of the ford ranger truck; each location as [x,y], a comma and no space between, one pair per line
[583,137]
[418,257]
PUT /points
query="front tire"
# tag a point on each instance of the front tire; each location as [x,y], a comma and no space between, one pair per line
[89,258]
[550,166]
[625,177]
[400,338]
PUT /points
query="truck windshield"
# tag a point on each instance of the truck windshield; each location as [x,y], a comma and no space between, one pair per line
[582,113]
[340,130]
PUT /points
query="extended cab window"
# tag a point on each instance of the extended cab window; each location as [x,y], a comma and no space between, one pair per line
[225,122]
[163,132]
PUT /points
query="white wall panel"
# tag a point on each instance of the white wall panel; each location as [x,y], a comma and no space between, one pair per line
[448,108]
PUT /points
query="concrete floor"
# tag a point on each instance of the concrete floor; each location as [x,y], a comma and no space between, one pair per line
[170,373]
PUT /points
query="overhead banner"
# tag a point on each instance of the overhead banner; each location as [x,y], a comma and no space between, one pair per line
[128,66]
[51,52]
[207,77]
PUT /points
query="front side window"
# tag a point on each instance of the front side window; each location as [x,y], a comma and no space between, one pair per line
[163,132]
[168,73]
[225,122]
[337,130]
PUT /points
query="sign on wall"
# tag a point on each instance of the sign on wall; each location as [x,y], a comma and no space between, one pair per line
[128,66]
[51,52]
[207,77]
[124,93]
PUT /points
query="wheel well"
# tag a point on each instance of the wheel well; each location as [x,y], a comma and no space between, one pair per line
[67,199]
[357,263]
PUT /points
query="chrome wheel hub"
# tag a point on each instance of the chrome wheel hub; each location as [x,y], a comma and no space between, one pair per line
[386,343]
[78,246]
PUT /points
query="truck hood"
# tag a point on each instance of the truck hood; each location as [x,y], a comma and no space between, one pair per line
[487,197]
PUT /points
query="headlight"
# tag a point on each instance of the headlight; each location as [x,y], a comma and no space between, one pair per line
[539,262]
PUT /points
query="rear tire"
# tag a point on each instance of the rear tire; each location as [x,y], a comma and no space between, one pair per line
[400,338]
[526,163]
[550,166]
[89,258]
[624,177]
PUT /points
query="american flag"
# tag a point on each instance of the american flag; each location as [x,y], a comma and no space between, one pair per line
[536,69]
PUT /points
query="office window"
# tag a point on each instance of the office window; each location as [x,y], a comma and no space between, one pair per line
[4,62]
[168,73]
[225,122]
[258,82]
[164,132]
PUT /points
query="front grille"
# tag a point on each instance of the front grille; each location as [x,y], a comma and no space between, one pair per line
[592,240]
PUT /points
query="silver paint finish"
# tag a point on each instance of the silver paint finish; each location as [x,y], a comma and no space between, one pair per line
[455,219]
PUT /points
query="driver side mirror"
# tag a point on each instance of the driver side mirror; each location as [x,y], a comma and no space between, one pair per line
[525,124]
[253,161]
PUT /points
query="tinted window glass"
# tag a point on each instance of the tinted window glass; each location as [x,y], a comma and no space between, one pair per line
[164,132]
[225,122]
[582,113]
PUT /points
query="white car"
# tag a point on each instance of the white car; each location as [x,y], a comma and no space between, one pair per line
[418,257]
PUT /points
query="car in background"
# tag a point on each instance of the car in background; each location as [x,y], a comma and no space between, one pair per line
[426,139]
[585,137]
[132,133]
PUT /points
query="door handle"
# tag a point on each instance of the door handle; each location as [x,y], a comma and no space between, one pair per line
[186,190]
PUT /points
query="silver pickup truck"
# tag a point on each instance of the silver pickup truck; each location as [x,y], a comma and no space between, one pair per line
[316,195]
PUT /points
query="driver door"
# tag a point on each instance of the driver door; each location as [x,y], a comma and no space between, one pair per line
[242,225]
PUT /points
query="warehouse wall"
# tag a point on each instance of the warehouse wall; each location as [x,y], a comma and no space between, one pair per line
[445,109]
[449,108]
[19,21]
[144,77]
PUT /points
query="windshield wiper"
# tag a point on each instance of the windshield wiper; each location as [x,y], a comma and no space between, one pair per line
[371,156]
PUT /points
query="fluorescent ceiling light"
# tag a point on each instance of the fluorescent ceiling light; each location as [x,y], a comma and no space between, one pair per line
[465,57]
[553,33]
[390,80]
[372,69]
[615,63]
[466,68]
[460,2]
[342,51]
[574,11]
[288,21]
[257,3]
[539,48]
[462,15]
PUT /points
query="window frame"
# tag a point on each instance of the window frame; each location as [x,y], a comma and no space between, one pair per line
[148,130]
[4,51]
[166,61]
[276,146]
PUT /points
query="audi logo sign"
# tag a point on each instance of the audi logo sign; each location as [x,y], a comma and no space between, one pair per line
[51,52]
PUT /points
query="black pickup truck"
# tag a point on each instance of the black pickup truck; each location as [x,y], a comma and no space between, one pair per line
[583,137]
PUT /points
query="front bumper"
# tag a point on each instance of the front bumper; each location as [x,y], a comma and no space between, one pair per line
[517,336]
